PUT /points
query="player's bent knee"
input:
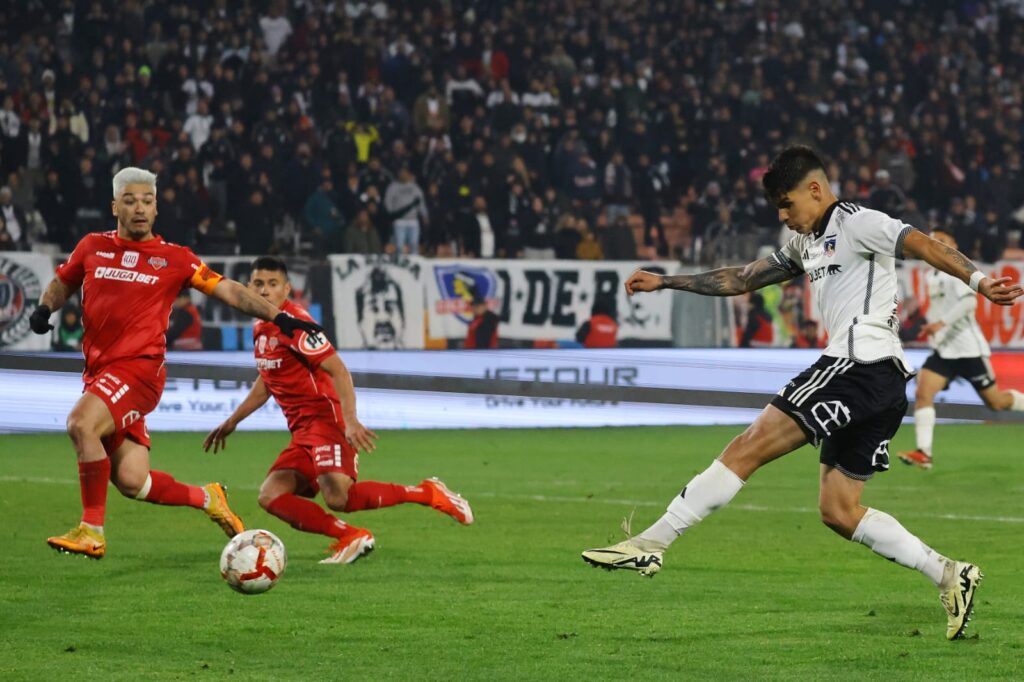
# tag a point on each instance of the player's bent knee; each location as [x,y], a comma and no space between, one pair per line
[130,484]
[336,500]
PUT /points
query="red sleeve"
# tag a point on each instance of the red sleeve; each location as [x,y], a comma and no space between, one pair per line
[72,271]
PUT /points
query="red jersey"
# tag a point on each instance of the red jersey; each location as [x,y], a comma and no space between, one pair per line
[127,291]
[290,369]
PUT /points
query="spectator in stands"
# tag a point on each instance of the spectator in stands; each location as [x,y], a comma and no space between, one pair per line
[15,223]
[68,335]
[589,247]
[759,331]
[255,226]
[619,241]
[361,236]
[601,330]
[54,204]
[483,328]
[538,243]
[323,213]
[885,196]
[808,336]
[361,81]
[407,207]
[185,329]
[618,187]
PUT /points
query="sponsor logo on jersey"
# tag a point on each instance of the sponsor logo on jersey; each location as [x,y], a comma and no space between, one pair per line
[130,259]
[156,262]
[266,363]
[105,254]
[119,275]
[817,273]
[261,344]
[311,344]
[830,246]
[20,288]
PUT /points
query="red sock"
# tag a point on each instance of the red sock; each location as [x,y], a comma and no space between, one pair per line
[306,515]
[165,490]
[373,495]
[93,478]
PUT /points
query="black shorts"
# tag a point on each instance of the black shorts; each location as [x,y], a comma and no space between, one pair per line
[978,371]
[850,409]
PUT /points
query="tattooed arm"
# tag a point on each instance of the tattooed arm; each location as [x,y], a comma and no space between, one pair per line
[239,297]
[1002,290]
[721,282]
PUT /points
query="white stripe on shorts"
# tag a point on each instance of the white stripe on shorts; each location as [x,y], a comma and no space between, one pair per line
[801,395]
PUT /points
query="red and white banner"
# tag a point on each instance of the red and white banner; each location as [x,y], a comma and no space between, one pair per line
[1003,326]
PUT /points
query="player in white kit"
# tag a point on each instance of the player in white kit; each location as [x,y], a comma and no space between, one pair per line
[851,401]
[959,349]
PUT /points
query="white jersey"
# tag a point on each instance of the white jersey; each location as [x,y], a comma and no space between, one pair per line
[953,302]
[850,263]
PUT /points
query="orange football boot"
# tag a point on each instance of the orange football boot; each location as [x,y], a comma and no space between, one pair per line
[447,502]
[80,540]
[220,513]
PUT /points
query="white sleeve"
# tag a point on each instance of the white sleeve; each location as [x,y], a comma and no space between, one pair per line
[875,232]
[788,258]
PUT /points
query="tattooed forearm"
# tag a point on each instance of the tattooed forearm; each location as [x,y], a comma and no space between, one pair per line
[721,282]
[959,265]
[763,272]
[237,296]
[56,294]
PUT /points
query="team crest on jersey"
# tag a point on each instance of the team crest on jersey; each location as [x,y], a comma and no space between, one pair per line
[311,344]
[273,342]
[129,259]
[261,344]
[156,262]
[830,247]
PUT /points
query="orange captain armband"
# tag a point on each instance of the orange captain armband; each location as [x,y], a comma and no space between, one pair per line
[204,279]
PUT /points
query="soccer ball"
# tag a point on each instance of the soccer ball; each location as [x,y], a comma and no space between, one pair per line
[253,561]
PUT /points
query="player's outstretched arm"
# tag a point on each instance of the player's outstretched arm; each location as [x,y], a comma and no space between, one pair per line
[242,299]
[258,395]
[358,435]
[1001,290]
[720,282]
[55,296]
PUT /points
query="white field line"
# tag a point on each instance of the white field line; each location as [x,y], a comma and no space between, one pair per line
[598,500]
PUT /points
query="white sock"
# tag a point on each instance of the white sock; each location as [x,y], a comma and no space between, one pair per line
[1018,401]
[98,529]
[885,536]
[708,491]
[924,427]
[144,490]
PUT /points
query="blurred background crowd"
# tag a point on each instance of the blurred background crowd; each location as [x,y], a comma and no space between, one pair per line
[591,129]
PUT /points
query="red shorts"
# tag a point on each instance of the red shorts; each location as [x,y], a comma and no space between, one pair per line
[316,451]
[130,389]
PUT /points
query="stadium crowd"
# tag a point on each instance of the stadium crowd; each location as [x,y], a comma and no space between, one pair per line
[578,129]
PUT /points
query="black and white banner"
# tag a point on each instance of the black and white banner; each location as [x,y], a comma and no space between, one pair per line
[546,300]
[378,301]
[23,276]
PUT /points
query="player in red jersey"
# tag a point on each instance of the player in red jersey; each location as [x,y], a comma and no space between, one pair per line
[129,278]
[314,389]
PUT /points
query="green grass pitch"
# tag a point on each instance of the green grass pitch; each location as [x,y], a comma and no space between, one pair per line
[761,590]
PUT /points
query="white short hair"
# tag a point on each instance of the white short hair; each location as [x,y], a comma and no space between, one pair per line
[133,176]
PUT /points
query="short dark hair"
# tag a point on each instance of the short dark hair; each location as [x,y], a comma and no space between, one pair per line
[787,170]
[271,263]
